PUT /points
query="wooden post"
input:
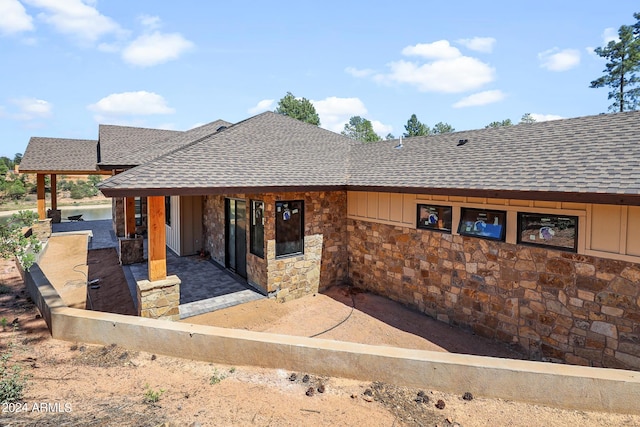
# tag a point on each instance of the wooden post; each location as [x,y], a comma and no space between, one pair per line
[42,214]
[157,250]
[54,191]
[130,216]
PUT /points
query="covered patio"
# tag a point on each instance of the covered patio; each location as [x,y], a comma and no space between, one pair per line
[204,287]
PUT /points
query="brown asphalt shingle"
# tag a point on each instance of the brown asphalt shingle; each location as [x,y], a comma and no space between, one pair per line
[60,154]
[595,154]
[117,143]
[263,151]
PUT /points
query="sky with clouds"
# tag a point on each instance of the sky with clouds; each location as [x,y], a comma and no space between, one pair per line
[68,65]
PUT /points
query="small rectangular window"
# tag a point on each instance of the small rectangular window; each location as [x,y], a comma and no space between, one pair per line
[289,228]
[432,217]
[483,223]
[257,228]
[138,210]
[167,210]
[553,231]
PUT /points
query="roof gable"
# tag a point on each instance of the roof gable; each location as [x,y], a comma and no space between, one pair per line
[116,143]
[60,155]
[267,150]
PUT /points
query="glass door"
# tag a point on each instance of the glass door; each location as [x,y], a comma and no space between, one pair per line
[236,236]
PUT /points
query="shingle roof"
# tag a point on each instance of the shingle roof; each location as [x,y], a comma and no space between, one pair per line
[594,154]
[267,150]
[146,153]
[60,155]
[117,143]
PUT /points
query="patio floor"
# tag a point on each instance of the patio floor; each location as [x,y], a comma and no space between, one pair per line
[204,287]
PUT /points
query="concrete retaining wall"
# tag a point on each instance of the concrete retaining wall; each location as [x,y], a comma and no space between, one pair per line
[575,387]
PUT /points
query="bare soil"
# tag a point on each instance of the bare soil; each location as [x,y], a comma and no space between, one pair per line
[74,384]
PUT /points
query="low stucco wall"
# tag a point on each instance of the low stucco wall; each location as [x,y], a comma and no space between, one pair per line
[565,386]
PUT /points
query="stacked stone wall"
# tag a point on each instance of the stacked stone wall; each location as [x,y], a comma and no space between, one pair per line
[159,299]
[554,305]
[324,216]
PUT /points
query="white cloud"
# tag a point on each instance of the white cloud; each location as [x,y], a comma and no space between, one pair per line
[380,128]
[150,22]
[609,35]
[155,48]
[77,18]
[14,17]
[31,109]
[454,75]
[139,103]
[359,73]
[335,112]
[436,50]
[559,60]
[261,106]
[545,117]
[481,98]
[443,69]
[479,44]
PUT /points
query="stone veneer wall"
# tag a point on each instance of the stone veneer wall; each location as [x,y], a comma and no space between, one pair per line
[555,305]
[159,299]
[324,216]
[117,215]
[295,276]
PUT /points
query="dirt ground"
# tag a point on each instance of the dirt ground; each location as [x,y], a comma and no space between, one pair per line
[74,384]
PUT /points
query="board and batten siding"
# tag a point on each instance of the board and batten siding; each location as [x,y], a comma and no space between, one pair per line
[608,231]
[173,230]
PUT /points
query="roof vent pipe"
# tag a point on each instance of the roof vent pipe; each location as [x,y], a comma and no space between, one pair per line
[399,146]
[462,142]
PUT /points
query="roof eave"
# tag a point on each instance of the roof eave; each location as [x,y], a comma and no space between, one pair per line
[202,191]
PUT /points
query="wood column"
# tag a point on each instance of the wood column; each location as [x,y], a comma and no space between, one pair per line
[130,216]
[157,250]
[54,191]
[42,214]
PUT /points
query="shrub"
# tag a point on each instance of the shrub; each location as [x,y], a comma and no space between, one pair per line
[12,381]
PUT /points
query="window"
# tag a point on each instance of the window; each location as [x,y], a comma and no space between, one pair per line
[257,228]
[481,223]
[431,217]
[167,210]
[289,228]
[138,210]
[554,231]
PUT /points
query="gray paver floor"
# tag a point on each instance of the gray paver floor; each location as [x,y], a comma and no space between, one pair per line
[204,285]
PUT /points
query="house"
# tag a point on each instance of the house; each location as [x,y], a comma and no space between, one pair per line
[528,234]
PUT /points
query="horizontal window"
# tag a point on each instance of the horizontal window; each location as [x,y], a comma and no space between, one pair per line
[432,217]
[482,223]
[554,231]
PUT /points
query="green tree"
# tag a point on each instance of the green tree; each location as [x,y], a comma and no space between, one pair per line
[623,56]
[17,158]
[527,118]
[298,108]
[360,129]
[415,128]
[505,122]
[389,136]
[15,189]
[442,128]
[14,243]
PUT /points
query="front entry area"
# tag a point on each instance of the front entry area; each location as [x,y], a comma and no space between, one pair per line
[236,236]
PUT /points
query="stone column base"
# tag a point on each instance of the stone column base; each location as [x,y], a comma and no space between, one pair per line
[159,299]
[42,229]
[131,250]
[55,215]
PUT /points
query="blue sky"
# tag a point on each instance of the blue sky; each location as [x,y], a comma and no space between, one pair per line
[68,65]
